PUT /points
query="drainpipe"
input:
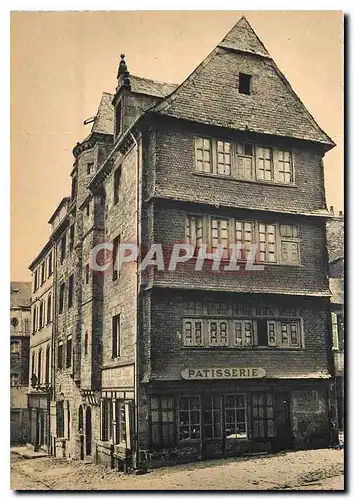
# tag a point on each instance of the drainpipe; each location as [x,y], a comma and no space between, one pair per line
[136,370]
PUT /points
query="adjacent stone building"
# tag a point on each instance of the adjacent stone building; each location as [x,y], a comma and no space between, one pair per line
[162,365]
[40,367]
[20,320]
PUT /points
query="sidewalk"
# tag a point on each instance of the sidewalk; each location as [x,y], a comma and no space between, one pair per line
[25,452]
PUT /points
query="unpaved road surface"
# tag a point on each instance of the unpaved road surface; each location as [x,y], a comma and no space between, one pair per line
[299,470]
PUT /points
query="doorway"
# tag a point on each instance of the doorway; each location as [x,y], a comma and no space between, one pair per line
[88,431]
[283,439]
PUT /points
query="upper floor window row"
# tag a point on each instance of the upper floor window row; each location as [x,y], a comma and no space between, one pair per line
[43,272]
[244,161]
[271,241]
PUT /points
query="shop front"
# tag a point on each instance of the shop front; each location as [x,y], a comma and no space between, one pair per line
[223,412]
[39,416]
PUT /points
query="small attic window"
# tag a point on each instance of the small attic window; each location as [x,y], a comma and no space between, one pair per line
[244,83]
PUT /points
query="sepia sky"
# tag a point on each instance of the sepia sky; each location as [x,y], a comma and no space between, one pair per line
[61,62]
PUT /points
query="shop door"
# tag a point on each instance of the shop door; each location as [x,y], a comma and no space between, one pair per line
[212,428]
[283,439]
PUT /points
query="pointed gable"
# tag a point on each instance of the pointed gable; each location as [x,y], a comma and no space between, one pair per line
[242,37]
[211,94]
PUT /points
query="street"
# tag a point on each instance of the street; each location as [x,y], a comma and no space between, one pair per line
[300,470]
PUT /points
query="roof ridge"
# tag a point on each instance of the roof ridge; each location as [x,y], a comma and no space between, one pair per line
[154,81]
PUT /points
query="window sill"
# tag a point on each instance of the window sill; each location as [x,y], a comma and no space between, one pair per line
[250,181]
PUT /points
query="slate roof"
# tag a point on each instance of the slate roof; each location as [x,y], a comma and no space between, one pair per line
[104,120]
[141,85]
[20,294]
[210,95]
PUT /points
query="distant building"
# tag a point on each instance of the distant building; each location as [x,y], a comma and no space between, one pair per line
[41,348]
[20,331]
[335,242]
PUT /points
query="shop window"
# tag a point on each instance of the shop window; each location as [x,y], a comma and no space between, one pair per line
[212,417]
[262,415]
[162,421]
[235,416]
[113,424]
[189,418]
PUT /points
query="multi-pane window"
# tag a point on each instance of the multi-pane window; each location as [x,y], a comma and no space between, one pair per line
[162,413]
[189,417]
[262,415]
[69,350]
[223,158]
[267,249]
[212,417]
[203,155]
[244,161]
[284,333]
[113,425]
[194,230]
[218,333]
[289,251]
[275,243]
[240,325]
[264,167]
[192,332]
[244,333]
[235,416]
[244,237]
[70,291]
[284,171]
[116,336]
[220,234]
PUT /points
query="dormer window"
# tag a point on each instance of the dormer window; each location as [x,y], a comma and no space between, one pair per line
[244,83]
